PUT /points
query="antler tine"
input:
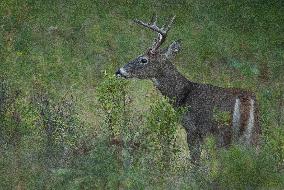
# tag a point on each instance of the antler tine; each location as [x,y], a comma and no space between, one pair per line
[162,32]
[169,24]
[152,25]
[154,19]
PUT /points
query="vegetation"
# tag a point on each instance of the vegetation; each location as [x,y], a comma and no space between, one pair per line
[67,123]
[222,117]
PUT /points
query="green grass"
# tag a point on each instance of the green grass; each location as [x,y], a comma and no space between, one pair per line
[66,46]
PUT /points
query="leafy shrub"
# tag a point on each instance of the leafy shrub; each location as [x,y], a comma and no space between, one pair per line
[10,118]
[162,122]
[274,145]
[240,167]
[58,124]
[112,102]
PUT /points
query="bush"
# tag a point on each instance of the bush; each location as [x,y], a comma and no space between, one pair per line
[162,122]
[240,167]
[58,125]
[112,102]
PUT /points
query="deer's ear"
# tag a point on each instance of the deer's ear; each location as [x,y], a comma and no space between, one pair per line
[173,49]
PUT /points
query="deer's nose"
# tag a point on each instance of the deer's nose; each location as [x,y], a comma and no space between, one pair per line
[118,73]
[121,73]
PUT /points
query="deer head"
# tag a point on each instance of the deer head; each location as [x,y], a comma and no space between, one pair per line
[152,63]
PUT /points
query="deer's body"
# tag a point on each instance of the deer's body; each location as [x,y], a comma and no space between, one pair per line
[204,101]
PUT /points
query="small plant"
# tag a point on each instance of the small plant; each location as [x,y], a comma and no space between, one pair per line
[209,160]
[221,117]
[58,124]
[162,122]
[112,101]
[242,168]
[11,128]
[239,168]
[274,143]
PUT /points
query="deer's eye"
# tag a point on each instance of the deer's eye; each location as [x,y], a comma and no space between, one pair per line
[143,60]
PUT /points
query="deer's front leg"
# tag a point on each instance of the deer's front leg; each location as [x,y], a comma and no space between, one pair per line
[194,138]
[194,141]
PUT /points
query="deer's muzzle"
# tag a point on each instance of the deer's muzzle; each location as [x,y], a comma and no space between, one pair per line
[121,73]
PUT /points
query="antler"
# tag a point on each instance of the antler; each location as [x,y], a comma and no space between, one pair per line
[162,32]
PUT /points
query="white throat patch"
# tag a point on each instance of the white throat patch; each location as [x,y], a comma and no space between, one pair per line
[156,82]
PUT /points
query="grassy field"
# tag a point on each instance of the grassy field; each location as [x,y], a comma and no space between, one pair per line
[56,64]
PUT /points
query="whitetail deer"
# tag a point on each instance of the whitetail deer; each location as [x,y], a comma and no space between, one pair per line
[238,108]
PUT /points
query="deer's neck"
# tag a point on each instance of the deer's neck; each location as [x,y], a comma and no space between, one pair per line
[173,85]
